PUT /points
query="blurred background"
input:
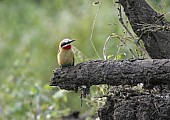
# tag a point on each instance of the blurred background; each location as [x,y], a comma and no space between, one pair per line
[30,31]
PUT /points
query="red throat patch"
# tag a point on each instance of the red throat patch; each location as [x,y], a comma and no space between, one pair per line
[67,47]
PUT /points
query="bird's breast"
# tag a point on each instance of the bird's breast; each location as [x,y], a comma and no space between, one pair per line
[65,57]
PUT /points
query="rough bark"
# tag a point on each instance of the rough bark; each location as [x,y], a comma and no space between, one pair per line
[153,71]
[128,104]
[156,40]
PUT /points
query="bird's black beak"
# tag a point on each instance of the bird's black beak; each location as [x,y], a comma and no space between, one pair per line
[71,41]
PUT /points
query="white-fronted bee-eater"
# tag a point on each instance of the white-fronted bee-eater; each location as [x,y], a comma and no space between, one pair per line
[65,55]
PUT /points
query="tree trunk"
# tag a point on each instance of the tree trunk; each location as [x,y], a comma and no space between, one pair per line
[150,26]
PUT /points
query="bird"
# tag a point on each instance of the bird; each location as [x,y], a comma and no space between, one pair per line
[65,55]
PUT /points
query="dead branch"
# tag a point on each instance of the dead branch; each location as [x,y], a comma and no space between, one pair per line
[131,72]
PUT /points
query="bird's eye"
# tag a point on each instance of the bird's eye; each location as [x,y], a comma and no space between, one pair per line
[62,44]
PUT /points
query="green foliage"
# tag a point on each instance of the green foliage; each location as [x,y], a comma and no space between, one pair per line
[29,35]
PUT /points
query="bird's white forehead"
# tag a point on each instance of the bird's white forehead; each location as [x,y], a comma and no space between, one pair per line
[66,40]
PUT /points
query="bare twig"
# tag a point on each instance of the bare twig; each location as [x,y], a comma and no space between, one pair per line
[105,47]
[124,43]
[136,41]
[115,58]
[122,22]
[145,27]
[121,39]
[92,29]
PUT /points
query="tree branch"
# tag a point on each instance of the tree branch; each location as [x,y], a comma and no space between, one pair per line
[143,18]
[152,72]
